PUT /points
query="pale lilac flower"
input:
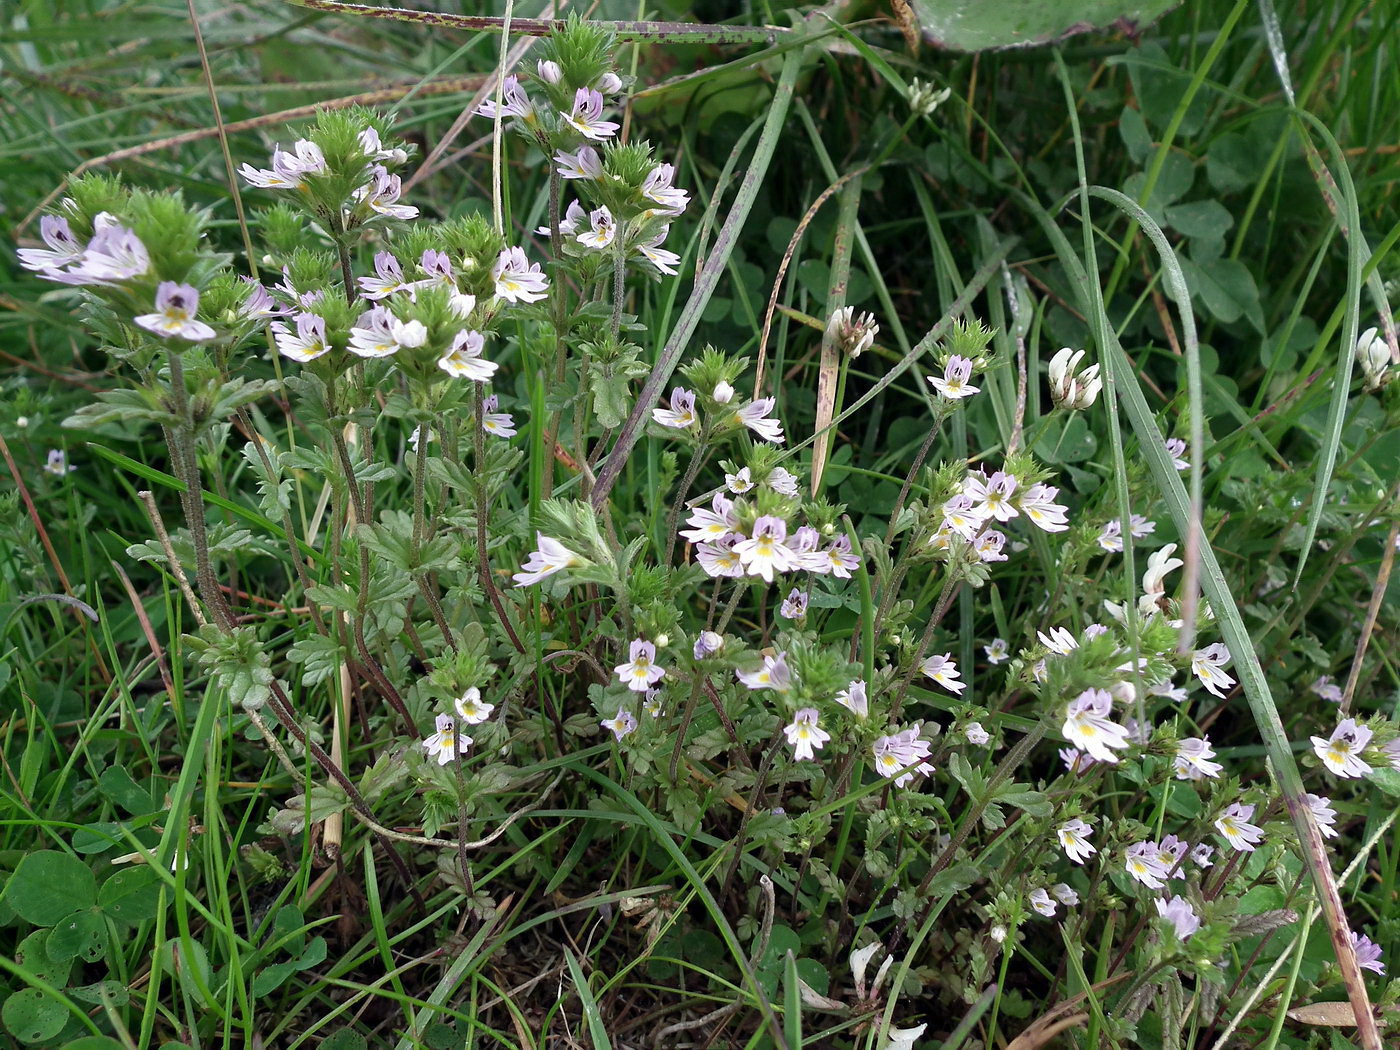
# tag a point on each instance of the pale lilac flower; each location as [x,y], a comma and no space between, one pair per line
[640,673]
[956,379]
[620,724]
[1323,813]
[1391,753]
[601,230]
[998,652]
[782,481]
[1180,914]
[1341,752]
[713,524]
[976,735]
[585,164]
[1065,894]
[307,343]
[960,516]
[1176,449]
[740,481]
[804,542]
[550,556]
[681,415]
[708,644]
[289,170]
[1168,691]
[387,279]
[1192,760]
[1171,851]
[794,606]
[115,254]
[1041,903]
[1208,665]
[658,188]
[755,416]
[1327,689]
[991,497]
[517,279]
[1234,825]
[765,552]
[1143,862]
[665,261]
[854,699]
[837,559]
[549,71]
[514,101]
[176,305]
[1074,840]
[574,217]
[899,751]
[805,735]
[772,674]
[586,117]
[1368,953]
[1059,641]
[374,149]
[378,333]
[718,557]
[652,704]
[381,195]
[1094,630]
[1038,504]
[446,742]
[471,709]
[63,247]
[1088,725]
[259,304]
[57,463]
[498,424]
[944,670]
[989,545]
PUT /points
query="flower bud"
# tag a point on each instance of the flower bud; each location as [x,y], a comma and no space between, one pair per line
[708,644]
[610,84]
[1373,355]
[724,393]
[1070,389]
[924,99]
[549,71]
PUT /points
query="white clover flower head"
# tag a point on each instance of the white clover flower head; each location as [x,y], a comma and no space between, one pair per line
[1071,388]
[620,724]
[1341,752]
[851,332]
[550,556]
[956,381]
[1073,836]
[1042,903]
[1179,913]
[943,670]
[1233,824]
[640,672]
[681,415]
[805,735]
[1088,725]
[925,98]
[1373,355]
[471,709]
[446,743]
[855,699]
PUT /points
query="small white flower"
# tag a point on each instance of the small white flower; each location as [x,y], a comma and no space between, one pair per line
[1192,759]
[1069,388]
[601,230]
[1373,355]
[1038,504]
[514,102]
[586,117]
[463,359]
[681,415]
[1327,689]
[381,194]
[773,674]
[1074,840]
[1180,914]
[1323,813]
[1176,449]
[903,1038]
[740,481]
[1087,725]
[498,424]
[176,305]
[1065,894]
[57,463]
[944,670]
[794,606]
[1143,863]
[1059,641]
[1234,825]
[446,742]
[713,524]
[997,651]
[1208,665]
[804,734]
[955,383]
[723,393]
[854,699]
[1341,752]
[471,709]
[765,552]
[782,481]
[517,279]
[976,735]
[1041,902]
[902,751]
[585,164]
[549,557]
[755,416]
[640,672]
[620,724]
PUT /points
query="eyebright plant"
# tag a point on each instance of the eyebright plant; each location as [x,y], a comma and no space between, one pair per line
[778,677]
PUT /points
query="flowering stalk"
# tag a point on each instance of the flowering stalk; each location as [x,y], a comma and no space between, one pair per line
[697,460]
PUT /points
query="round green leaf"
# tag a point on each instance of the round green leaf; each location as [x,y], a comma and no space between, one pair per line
[82,934]
[33,955]
[131,895]
[49,886]
[32,1017]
